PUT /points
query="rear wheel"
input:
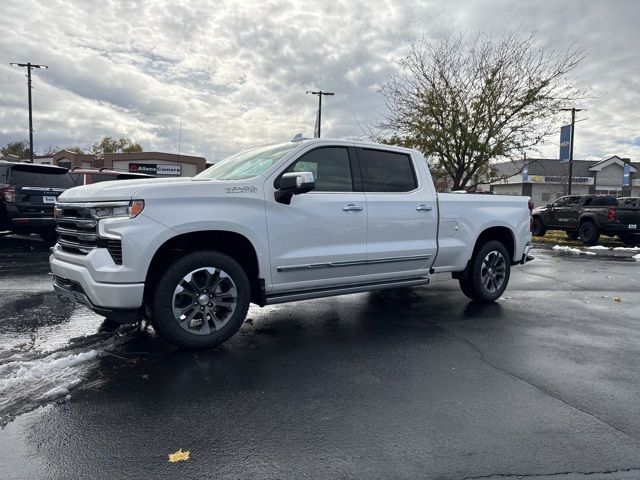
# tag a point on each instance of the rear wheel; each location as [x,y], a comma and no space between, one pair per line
[589,233]
[201,300]
[630,239]
[538,229]
[488,274]
[50,237]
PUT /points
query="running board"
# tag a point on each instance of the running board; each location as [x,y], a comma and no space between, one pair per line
[342,290]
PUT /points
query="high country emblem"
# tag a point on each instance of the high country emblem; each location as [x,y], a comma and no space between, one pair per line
[246,189]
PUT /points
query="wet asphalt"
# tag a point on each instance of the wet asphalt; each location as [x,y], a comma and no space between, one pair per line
[411,383]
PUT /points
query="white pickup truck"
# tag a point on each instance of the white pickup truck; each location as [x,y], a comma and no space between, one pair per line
[278,223]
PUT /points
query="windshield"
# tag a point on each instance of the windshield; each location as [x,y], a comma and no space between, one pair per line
[32,176]
[247,164]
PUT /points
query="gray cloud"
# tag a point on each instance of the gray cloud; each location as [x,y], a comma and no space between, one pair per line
[235,73]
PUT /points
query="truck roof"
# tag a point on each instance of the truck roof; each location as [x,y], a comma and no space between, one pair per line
[342,141]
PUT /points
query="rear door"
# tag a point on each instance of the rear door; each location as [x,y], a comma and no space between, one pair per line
[401,215]
[564,212]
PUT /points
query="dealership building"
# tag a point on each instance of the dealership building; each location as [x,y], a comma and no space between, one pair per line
[545,180]
[154,163]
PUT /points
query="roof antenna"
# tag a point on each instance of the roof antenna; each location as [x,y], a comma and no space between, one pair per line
[298,137]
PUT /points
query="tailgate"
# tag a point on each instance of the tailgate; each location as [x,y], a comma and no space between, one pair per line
[37,199]
[629,216]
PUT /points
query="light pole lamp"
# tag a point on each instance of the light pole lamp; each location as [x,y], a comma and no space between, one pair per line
[29,66]
[320,93]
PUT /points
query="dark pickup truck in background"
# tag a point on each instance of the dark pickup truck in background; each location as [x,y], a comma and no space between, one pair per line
[589,216]
[28,194]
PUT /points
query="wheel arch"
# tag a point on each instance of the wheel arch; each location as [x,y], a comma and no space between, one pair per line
[589,217]
[234,244]
[500,233]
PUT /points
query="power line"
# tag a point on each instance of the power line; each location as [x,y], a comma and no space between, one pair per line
[29,66]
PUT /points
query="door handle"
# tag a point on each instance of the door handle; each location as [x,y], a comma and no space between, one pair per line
[424,208]
[352,207]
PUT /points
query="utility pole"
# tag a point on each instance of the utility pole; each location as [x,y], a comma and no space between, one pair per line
[29,66]
[320,93]
[573,111]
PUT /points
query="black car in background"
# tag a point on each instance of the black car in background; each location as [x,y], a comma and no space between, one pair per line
[28,193]
[589,216]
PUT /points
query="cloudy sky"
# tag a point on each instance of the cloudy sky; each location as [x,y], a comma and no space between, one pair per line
[235,73]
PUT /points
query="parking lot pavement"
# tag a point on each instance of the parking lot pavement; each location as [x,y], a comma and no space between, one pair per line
[413,383]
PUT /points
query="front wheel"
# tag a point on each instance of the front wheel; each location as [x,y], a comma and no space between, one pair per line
[488,274]
[201,300]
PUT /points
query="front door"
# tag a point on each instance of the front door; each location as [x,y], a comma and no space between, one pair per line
[319,239]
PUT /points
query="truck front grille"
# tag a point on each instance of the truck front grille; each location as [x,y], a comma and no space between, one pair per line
[78,233]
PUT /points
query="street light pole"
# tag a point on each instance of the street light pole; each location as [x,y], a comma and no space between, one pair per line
[320,93]
[573,111]
[29,66]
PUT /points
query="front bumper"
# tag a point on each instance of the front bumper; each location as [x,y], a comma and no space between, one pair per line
[75,282]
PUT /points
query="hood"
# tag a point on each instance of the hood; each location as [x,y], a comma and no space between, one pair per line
[116,189]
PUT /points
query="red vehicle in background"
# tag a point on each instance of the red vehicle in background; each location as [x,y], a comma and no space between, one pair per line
[87,176]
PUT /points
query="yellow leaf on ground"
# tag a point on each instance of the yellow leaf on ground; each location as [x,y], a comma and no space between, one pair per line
[618,299]
[179,456]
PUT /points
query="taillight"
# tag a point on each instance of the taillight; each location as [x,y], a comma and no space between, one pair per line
[531,207]
[612,215]
[9,194]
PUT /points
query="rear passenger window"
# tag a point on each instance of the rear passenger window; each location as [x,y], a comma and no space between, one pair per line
[330,167]
[386,171]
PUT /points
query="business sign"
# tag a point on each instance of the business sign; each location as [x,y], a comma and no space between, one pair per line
[560,179]
[155,169]
[565,143]
[626,175]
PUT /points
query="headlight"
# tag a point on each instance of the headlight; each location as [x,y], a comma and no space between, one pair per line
[118,209]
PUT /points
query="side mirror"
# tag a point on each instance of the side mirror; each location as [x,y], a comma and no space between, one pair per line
[294,183]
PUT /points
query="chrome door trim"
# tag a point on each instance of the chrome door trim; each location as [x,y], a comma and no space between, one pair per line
[292,268]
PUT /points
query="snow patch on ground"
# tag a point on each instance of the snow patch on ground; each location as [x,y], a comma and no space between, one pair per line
[598,247]
[636,257]
[564,248]
[26,383]
[628,249]
[574,251]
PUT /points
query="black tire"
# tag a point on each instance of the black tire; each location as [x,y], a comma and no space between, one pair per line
[538,228]
[630,239]
[589,233]
[572,235]
[474,285]
[50,237]
[162,301]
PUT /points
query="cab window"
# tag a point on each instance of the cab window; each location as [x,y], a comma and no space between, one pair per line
[330,167]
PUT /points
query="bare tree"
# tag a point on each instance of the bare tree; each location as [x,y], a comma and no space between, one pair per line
[464,103]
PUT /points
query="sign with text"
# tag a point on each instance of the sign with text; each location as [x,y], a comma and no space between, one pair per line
[560,179]
[155,169]
[565,143]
